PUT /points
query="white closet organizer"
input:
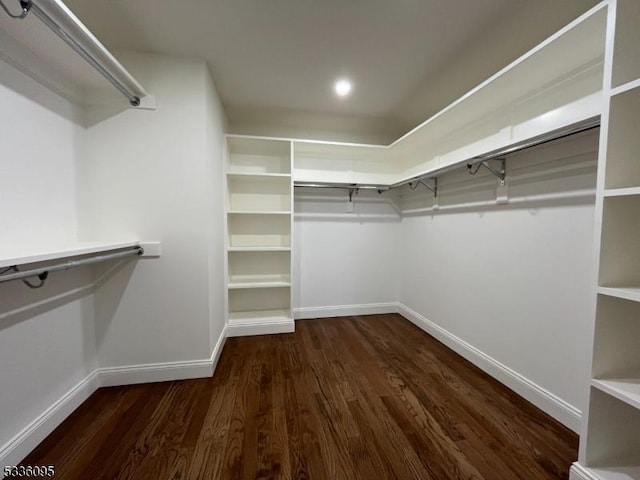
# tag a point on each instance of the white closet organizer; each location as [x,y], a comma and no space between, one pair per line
[553,88]
[259,205]
[610,441]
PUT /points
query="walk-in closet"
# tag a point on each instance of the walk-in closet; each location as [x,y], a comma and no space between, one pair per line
[297,239]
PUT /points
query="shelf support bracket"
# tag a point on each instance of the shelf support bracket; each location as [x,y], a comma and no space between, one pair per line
[500,172]
[434,188]
[352,190]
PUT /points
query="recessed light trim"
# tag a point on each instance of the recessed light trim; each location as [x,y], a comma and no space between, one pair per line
[342,87]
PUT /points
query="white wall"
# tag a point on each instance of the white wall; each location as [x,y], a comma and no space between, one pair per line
[47,338]
[512,280]
[342,259]
[155,175]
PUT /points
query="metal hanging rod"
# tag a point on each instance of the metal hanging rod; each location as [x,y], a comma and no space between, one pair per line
[43,272]
[61,21]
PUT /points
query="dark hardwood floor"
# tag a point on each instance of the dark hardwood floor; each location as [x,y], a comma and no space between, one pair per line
[347,398]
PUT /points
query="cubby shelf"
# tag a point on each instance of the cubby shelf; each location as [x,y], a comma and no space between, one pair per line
[622,192]
[627,293]
[624,389]
[259,249]
[249,175]
[257,284]
[625,88]
[259,212]
[260,316]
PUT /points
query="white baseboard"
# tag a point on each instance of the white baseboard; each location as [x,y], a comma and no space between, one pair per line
[35,432]
[578,472]
[562,411]
[26,440]
[262,328]
[154,372]
[345,310]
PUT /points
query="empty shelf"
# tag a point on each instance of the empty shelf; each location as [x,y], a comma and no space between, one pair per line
[258,175]
[259,212]
[622,192]
[260,316]
[624,389]
[259,249]
[627,293]
[31,255]
[258,284]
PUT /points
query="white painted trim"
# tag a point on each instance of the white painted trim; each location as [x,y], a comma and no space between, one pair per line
[545,400]
[29,437]
[162,372]
[578,472]
[217,350]
[35,432]
[345,310]
[154,372]
[262,328]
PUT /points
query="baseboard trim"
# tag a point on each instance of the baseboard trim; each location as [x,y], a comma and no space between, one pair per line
[262,328]
[578,472]
[35,432]
[29,437]
[562,411]
[345,310]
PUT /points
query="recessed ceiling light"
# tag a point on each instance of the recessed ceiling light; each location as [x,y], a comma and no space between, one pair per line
[342,87]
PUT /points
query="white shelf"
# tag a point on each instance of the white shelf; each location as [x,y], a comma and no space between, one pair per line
[258,212]
[259,249]
[626,87]
[617,473]
[258,284]
[259,316]
[249,175]
[627,293]
[627,390]
[22,255]
[622,192]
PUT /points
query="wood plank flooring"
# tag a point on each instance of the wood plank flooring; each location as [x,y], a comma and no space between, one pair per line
[369,397]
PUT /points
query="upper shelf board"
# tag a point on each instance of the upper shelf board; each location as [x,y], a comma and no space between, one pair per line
[23,256]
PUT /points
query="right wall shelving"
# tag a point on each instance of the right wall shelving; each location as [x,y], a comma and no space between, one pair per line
[610,444]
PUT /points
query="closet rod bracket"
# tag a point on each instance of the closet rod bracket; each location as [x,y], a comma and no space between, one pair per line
[500,172]
[422,181]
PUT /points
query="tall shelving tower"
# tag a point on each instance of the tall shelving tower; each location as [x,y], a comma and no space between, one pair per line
[259,222]
[610,441]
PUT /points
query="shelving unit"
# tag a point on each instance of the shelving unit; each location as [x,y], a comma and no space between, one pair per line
[259,204]
[610,441]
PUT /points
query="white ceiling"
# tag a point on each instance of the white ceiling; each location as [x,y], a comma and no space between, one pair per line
[274,61]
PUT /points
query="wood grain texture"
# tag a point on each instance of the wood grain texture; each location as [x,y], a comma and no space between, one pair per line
[369,397]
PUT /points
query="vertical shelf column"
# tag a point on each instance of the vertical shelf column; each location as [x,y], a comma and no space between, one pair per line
[259,216]
[610,441]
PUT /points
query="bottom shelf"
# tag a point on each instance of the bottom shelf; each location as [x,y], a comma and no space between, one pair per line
[260,322]
[260,316]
